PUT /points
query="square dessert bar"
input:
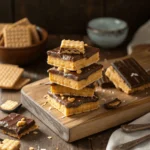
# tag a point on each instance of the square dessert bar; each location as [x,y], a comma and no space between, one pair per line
[73,61]
[73,79]
[17,125]
[70,105]
[85,92]
[128,75]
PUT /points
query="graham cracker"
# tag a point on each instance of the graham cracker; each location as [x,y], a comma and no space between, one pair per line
[10,145]
[20,83]
[23,22]
[72,47]
[34,34]
[18,36]
[9,75]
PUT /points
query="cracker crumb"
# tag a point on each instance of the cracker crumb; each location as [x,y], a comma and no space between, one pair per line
[103,91]
[62,117]
[62,97]
[35,132]
[71,99]
[57,148]
[49,108]
[45,96]
[79,71]
[31,148]
[60,69]
[49,137]
[66,71]
[44,103]
[112,92]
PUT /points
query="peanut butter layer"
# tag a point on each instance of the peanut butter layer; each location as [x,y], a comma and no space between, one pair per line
[68,111]
[129,79]
[73,61]
[85,92]
[73,79]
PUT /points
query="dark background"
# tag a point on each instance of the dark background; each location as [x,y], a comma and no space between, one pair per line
[72,16]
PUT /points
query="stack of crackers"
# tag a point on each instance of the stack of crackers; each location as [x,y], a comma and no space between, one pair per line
[19,34]
[73,76]
[10,77]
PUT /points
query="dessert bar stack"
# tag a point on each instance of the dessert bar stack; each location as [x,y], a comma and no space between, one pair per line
[72,77]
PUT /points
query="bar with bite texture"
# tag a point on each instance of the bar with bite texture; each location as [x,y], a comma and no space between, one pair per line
[73,61]
[17,125]
[70,105]
[128,75]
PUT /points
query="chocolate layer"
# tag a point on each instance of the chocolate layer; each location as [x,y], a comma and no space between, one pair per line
[104,81]
[131,72]
[77,102]
[87,71]
[89,86]
[89,51]
[9,124]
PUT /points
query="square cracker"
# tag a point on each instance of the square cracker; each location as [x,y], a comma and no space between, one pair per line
[20,83]
[34,34]
[9,75]
[18,36]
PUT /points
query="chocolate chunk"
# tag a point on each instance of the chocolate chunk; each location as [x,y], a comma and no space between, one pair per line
[87,71]
[77,102]
[89,51]
[131,72]
[9,124]
[104,82]
[113,104]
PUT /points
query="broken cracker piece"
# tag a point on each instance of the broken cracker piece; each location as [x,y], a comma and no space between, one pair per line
[72,47]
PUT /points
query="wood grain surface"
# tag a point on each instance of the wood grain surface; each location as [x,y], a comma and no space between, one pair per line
[82,125]
[37,71]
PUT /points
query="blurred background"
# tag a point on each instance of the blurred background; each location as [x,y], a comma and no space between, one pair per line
[72,16]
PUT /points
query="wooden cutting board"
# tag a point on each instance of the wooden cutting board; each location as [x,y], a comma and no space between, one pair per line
[82,125]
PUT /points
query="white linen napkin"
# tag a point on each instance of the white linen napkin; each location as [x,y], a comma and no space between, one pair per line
[142,36]
[120,137]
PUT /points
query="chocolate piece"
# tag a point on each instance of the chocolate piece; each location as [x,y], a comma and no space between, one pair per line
[131,72]
[113,104]
[104,82]
[9,124]
[89,51]
[87,71]
[77,102]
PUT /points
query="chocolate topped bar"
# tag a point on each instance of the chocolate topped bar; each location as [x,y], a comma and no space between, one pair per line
[131,72]
[89,51]
[87,71]
[10,124]
[78,100]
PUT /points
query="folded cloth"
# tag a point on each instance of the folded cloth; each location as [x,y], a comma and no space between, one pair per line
[120,137]
[142,36]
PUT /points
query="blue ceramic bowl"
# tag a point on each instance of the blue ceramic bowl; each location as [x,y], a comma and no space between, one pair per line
[107,32]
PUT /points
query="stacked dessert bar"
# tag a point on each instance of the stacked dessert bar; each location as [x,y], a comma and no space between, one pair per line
[72,77]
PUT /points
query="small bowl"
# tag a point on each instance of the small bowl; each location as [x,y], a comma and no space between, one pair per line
[107,32]
[24,55]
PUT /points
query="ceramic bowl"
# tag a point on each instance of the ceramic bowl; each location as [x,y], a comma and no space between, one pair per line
[107,32]
[24,55]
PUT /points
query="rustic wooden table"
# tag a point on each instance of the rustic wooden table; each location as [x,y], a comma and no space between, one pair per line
[38,70]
